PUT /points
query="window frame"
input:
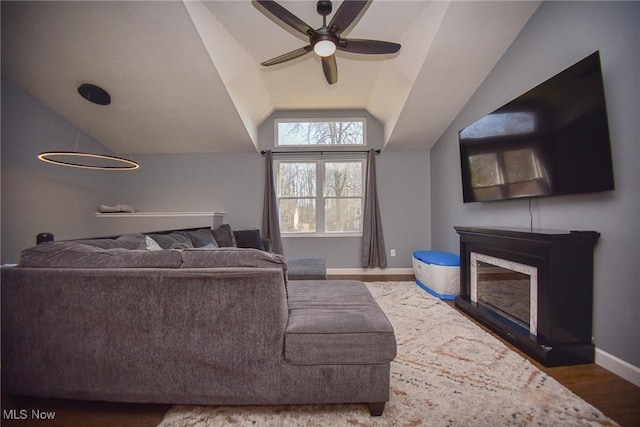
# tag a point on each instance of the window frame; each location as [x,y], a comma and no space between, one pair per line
[337,147]
[321,197]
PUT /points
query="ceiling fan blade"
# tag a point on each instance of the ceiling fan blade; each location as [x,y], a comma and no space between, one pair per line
[374,47]
[348,13]
[288,56]
[285,16]
[330,69]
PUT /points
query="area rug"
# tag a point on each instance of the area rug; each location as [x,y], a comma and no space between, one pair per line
[448,372]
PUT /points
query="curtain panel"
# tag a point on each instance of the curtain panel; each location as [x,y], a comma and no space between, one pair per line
[270,216]
[373,250]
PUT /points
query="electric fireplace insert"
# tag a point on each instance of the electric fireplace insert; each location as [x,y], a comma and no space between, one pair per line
[532,287]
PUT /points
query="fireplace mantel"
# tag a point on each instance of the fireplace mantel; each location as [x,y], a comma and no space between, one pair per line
[564,264]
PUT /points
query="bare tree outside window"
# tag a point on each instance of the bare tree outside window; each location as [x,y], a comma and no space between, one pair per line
[297,196]
[343,196]
[320,196]
[297,133]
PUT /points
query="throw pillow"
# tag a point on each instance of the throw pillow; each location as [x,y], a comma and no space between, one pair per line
[249,239]
[152,245]
[180,245]
[224,236]
[166,240]
[202,237]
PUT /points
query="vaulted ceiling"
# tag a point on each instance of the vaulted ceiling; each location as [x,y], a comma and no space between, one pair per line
[185,77]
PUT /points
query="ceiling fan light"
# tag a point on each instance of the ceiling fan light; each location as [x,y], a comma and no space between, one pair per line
[324,48]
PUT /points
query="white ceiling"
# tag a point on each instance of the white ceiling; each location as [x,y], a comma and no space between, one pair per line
[185,77]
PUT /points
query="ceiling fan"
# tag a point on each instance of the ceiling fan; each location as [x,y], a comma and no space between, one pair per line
[326,40]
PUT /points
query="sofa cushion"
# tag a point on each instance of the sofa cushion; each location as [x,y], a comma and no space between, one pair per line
[126,241]
[80,255]
[336,322]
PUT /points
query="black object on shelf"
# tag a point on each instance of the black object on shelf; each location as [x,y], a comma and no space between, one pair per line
[44,237]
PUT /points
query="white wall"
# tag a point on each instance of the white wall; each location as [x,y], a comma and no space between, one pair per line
[558,35]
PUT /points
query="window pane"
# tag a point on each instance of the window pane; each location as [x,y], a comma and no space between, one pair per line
[521,165]
[484,170]
[343,179]
[297,215]
[343,214]
[321,133]
[296,179]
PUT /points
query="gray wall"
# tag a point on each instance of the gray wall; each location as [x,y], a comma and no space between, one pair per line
[37,196]
[233,183]
[558,35]
[40,197]
[221,182]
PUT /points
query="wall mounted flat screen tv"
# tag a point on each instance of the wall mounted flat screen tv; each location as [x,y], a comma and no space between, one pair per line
[552,140]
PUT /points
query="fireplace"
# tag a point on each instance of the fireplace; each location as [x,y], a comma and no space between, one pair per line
[509,288]
[532,287]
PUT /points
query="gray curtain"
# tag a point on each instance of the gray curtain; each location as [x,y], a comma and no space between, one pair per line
[270,220]
[373,251]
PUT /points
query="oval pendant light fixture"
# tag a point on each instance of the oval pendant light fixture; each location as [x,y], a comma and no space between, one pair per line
[88,160]
[76,159]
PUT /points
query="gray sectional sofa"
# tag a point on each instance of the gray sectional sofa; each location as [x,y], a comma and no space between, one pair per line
[114,320]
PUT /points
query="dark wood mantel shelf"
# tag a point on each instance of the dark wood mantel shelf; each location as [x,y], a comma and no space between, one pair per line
[564,263]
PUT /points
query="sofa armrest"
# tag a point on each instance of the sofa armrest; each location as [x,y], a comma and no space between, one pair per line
[232,257]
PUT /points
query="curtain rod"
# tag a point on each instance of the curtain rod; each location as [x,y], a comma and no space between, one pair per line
[321,152]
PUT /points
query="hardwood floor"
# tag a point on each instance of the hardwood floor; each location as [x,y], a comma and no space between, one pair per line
[614,396]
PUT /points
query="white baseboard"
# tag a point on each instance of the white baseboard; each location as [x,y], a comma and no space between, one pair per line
[369,271]
[618,366]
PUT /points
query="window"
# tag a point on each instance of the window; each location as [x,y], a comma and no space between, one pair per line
[326,132]
[320,196]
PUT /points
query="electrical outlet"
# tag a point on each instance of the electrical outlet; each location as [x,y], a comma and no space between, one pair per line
[393,252]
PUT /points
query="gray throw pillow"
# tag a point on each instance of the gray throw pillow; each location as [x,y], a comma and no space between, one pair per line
[224,236]
[249,239]
[167,240]
[181,245]
[201,238]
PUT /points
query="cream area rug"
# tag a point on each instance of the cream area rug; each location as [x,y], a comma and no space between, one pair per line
[448,372]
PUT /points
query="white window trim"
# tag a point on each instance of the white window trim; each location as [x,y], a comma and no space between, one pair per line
[314,147]
[320,198]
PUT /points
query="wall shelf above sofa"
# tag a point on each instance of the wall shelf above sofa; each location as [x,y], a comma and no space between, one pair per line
[158,214]
[140,222]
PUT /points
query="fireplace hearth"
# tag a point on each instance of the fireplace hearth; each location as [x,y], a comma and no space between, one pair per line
[532,287]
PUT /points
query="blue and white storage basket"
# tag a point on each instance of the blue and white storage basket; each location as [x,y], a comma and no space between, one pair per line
[437,273]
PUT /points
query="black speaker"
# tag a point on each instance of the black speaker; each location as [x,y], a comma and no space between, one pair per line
[44,237]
